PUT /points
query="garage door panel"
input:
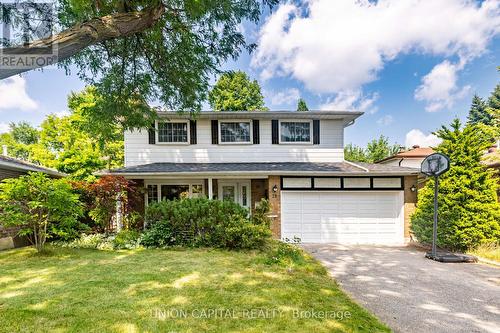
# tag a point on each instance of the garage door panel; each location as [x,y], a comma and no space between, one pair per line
[343,217]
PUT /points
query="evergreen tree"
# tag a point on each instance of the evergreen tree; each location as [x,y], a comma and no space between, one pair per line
[469,213]
[494,100]
[301,105]
[234,91]
[494,110]
[478,112]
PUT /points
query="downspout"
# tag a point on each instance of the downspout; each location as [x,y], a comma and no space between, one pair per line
[350,123]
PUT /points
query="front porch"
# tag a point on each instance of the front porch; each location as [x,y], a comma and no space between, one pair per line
[247,191]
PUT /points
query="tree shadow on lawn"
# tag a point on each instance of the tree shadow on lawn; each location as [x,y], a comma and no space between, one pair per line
[183,290]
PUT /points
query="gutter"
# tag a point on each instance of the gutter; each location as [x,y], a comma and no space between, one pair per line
[258,173]
[26,167]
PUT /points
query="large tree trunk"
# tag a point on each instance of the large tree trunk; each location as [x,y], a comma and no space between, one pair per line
[71,41]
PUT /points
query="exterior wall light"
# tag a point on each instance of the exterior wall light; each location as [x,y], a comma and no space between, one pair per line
[275,188]
[413,188]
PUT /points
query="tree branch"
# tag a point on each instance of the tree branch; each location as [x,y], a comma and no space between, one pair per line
[71,41]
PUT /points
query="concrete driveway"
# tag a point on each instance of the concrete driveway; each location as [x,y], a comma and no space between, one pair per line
[413,294]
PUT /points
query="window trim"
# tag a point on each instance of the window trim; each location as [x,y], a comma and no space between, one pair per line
[157,130]
[343,188]
[311,134]
[249,121]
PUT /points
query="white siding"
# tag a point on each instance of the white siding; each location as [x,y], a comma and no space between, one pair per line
[330,149]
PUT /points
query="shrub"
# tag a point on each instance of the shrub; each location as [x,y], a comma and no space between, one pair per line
[104,193]
[85,241]
[158,235]
[203,222]
[469,213]
[261,214]
[285,253]
[125,239]
[43,207]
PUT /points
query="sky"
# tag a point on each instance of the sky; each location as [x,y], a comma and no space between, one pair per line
[410,65]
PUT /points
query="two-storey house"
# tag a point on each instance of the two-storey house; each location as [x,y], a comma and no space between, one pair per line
[293,159]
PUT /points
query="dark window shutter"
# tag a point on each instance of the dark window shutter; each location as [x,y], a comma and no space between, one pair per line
[192,132]
[152,134]
[256,132]
[316,131]
[275,131]
[215,132]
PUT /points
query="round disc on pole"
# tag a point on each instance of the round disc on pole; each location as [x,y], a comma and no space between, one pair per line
[435,164]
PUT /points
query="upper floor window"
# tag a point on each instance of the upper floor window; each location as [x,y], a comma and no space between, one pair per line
[235,132]
[173,132]
[295,131]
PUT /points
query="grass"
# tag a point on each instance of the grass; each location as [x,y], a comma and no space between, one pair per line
[184,290]
[488,251]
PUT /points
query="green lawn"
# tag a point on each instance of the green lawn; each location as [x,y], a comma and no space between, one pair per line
[76,290]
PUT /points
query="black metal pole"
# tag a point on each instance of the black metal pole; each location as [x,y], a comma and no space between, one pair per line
[434,229]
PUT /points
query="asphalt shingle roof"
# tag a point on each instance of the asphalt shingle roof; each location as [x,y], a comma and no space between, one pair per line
[17,164]
[288,167]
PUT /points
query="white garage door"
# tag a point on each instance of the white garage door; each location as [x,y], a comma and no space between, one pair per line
[343,217]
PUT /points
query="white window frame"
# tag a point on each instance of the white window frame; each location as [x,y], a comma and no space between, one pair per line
[310,142]
[157,134]
[187,182]
[235,121]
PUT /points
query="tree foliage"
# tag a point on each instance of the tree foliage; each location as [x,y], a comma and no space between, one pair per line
[41,206]
[478,112]
[105,119]
[78,144]
[469,212]
[494,99]
[19,138]
[104,194]
[234,91]
[301,105]
[377,149]
[354,153]
[494,109]
[147,50]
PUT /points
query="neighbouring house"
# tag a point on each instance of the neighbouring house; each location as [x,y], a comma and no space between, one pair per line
[492,158]
[12,168]
[411,158]
[293,159]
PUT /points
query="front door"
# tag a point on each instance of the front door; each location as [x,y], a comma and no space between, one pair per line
[237,191]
